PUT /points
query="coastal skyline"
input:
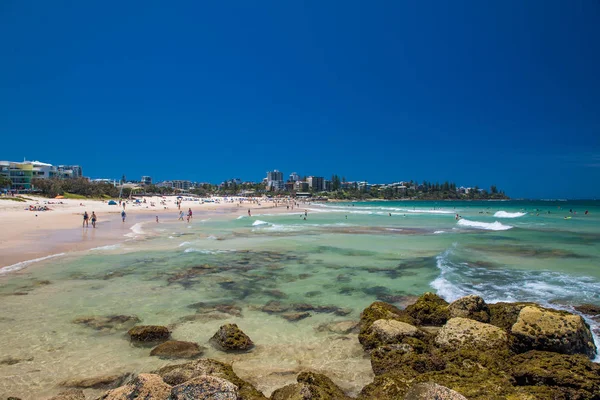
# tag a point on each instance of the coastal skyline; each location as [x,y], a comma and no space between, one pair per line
[502,93]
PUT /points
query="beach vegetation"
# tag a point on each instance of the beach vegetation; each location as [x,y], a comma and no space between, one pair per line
[5,182]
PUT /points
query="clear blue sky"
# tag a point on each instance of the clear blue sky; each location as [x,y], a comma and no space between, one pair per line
[478,92]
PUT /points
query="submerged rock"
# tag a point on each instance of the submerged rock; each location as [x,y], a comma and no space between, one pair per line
[310,386]
[473,307]
[432,391]
[274,307]
[14,360]
[71,394]
[149,333]
[429,309]
[205,387]
[231,338]
[295,316]
[467,333]
[340,327]
[108,323]
[177,349]
[144,386]
[226,308]
[96,382]
[538,328]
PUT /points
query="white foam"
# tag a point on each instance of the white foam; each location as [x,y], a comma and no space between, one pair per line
[490,226]
[438,232]
[241,216]
[504,214]
[109,247]
[258,222]
[136,230]
[23,264]
[184,244]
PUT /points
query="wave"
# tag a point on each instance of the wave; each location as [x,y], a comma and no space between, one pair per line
[23,264]
[206,251]
[184,244]
[241,216]
[336,208]
[490,226]
[438,232]
[258,222]
[109,247]
[504,214]
[136,230]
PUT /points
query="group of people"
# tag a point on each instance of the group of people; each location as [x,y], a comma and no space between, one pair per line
[87,217]
[189,215]
[38,208]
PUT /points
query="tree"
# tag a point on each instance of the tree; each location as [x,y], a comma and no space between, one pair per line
[5,182]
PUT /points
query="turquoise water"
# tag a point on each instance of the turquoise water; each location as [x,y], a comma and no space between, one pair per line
[343,256]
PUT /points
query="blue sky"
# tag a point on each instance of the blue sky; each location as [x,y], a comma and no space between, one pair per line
[481,93]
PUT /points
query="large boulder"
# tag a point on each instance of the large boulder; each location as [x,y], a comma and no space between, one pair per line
[472,306]
[429,309]
[71,394]
[177,349]
[144,386]
[432,391]
[539,328]
[504,315]
[387,331]
[149,333]
[461,333]
[205,387]
[180,373]
[310,386]
[380,310]
[567,372]
[231,338]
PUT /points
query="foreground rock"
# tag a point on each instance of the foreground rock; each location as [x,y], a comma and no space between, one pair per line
[380,310]
[71,394]
[205,387]
[149,333]
[387,331]
[231,338]
[144,386]
[96,382]
[472,307]
[311,385]
[177,349]
[538,328]
[180,373]
[429,309]
[432,391]
[466,333]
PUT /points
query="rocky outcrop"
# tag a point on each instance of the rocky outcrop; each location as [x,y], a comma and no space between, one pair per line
[177,349]
[144,386]
[310,386]
[149,333]
[432,391]
[539,328]
[407,358]
[588,309]
[108,323]
[71,394]
[205,387]
[471,334]
[231,338]
[472,307]
[429,309]
[180,373]
[504,315]
[96,382]
[387,331]
[380,310]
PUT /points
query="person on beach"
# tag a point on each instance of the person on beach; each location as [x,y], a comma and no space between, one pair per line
[180,216]
[190,214]
[157,219]
[86,217]
[123,215]
[94,219]
[249,214]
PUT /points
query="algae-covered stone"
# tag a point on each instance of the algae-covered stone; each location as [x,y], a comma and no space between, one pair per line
[387,331]
[588,309]
[429,309]
[231,338]
[504,315]
[399,357]
[180,373]
[108,323]
[392,386]
[177,349]
[71,394]
[472,306]
[149,333]
[468,333]
[311,385]
[205,387]
[380,310]
[432,391]
[144,386]
[538,328]
[536,368]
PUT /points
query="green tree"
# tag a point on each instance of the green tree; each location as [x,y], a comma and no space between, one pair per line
[5,182]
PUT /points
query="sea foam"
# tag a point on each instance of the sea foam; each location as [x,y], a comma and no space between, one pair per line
[258,222]
[504,214]
[490,226]
[23,264]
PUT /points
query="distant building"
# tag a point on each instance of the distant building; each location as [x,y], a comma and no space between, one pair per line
[294,177]
[275,180]
[70,171]
[182,185]
[328,186]
[316,183]
[21,174]
[165,184]
[146,180]
[301,186]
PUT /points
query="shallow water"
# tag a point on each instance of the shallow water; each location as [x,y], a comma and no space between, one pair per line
[344,256]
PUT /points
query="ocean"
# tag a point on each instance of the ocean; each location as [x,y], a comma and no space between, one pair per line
[338,260]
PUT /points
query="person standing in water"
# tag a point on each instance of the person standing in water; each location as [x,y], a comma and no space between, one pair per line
[86,217]
[123,215]
[93,219]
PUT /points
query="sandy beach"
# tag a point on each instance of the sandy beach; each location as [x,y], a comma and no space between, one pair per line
[27,235]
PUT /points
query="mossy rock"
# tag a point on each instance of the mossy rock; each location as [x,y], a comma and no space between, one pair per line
[429,309]
[430,390]
[396,358]
[387,331]
[542,368]
[468,333]
[472,307]
[391,386]
[149,333]
[504,315]
[588,309]
[143,386]
[231,338]
[380,310]
[311,385]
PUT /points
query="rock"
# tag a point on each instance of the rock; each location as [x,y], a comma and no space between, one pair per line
[71,394]
[108,323]
[97,382]
[461,333]
[387,387]
[13,360]
[310,386]
[429,309]
[295,316]
[180,373]
[341,327]
[13,398]
[552,330]
[205,387]
[399,358]
[144,386]
[303,307]
[278,294]
[342,312]
[541,368]
[472,307]
[177,349]
[149,333]
[231,338]
[380,310]
[274,307]
[387,331]
[504,315]
[588,309]
[225,308]
[432,391]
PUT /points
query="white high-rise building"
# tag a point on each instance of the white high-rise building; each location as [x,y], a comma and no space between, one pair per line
[294,177]
[275,180]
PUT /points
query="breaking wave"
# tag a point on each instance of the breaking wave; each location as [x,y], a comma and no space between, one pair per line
[490,226]
[504,214]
